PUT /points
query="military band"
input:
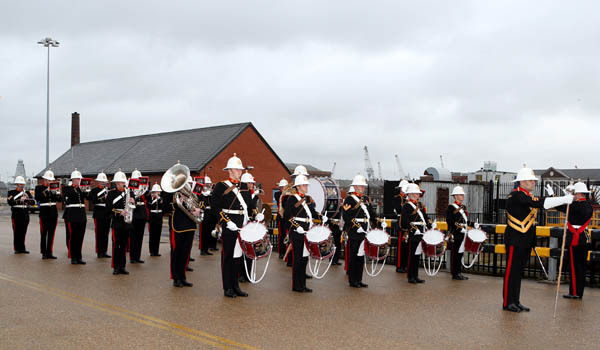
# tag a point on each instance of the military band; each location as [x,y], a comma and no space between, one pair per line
[120,203]
[140,218]
[47,199]
[155,223]
[19,208]
[75,215]
[101,215]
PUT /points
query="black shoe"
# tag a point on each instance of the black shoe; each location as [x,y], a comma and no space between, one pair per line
[569,296]
[307,276]
[307,290]
[419,280]
[412,280]
[155,254]
[363,285]
[209,253]
[400,270]
[26,252]
[115,271]
[192,259]
[186,283]
[178,284]
[123,272]
[523,307]
[280,256]
[44,257]
[73,262]
[51,257]
[336,263]
[459,278]
[299,290]
[230,293]
[133,261]
[354,285]
[511,308]
[239,292]
[140,261]
[80,262]
[214,249]
[189,269]
[204,253]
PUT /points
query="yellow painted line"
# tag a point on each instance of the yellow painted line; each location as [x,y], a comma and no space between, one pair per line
[207,338]
[543,252]
[442,226]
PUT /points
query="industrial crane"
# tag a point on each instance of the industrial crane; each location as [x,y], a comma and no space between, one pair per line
[333,169]
[379,170]
[399,166]
[368,166]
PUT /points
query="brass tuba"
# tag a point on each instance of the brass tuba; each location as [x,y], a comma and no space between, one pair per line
[175,180]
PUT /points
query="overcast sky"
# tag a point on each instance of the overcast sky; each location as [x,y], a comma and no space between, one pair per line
[514,82]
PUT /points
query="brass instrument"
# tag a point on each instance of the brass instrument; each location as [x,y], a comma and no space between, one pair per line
[175,180]
[128,209]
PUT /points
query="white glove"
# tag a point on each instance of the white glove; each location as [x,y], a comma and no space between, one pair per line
[360,230]
[324,219]
[477,226]
[300,230]
[549,190]
[259,217]
[383,225]
[231,226]
[434,225]
[214,233]
[551,202]
[464,230]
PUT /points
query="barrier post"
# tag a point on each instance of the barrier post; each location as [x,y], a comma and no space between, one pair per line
[552,263]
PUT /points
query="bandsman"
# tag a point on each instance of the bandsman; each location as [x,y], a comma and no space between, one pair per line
[155,206]
[18,199]
[120,203]
[74,200]
[101,215]
[47,198]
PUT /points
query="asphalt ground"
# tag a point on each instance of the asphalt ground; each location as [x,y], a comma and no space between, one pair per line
[51,304]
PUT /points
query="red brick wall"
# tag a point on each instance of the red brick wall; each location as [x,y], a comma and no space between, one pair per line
[252,151]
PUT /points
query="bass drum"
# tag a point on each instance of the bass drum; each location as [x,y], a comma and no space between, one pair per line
[326,194]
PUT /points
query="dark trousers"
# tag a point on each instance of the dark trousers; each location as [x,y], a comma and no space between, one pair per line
[19,226]
[337,236]
[76,234]
[120,237]
[181,245]
[137,239]
[456,257]
[230,266]
[212,241]
[402,252]
[577,260]
[355,262]
[280,238]
[298,261]
[67,233]
[204,242]
[516,258]
[412,265]
[101,230]
[47,230]
[154,232]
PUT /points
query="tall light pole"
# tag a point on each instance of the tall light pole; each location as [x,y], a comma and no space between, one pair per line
[48,42]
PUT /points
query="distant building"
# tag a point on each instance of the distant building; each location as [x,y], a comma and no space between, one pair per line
[203,150]
[312,170]
[489,172]
[3,189]
[566,175]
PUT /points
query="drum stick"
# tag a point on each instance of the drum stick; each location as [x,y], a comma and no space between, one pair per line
[562,255]
[288,250]
[540,261]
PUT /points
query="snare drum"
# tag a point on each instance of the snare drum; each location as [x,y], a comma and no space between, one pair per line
[474,241]
[319,242]
[254,240]
[433,243]
[376,244]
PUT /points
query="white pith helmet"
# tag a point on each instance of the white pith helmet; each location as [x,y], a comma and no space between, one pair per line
[359,180]
[101,177]
[458,190]
[300,180]
[300,170]
[76,174]
[234,163]
[48,175]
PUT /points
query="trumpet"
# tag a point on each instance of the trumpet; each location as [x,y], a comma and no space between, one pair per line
[175,180]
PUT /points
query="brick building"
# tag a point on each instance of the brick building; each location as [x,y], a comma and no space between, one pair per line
[203,150]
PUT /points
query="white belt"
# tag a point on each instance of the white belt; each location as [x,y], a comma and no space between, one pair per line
[417,223]
[334,220]
[19,206]
[301,219]
[100,205]
[207,207]
[362,220]
[75,205]
[140,203]
[237,212]
[49,204]
[156,211]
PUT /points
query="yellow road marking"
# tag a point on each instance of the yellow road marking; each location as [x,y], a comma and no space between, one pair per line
[207,338]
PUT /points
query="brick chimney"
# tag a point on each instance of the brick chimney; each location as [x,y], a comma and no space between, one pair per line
[74,129]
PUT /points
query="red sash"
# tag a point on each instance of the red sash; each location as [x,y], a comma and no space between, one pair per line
[577,232]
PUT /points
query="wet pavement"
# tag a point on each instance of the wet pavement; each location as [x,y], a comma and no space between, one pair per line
[53,304]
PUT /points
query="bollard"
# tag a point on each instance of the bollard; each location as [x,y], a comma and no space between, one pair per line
[552,262]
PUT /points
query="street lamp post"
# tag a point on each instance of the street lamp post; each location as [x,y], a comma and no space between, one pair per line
[48,42]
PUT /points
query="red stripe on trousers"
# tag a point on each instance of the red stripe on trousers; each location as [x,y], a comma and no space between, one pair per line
[507,275]
[573,277]
[199,238]
[70,237]
[112,259]
[14,232]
